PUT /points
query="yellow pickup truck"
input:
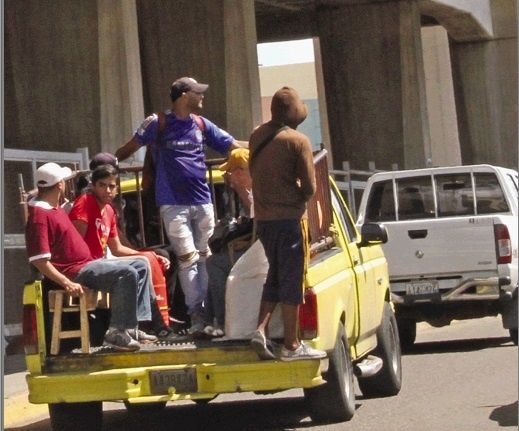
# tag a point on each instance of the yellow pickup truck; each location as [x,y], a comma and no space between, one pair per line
[347,312]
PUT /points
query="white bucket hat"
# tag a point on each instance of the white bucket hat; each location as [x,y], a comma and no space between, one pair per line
[50,174]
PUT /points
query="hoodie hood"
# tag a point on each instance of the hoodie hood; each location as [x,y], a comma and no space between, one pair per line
[288,108]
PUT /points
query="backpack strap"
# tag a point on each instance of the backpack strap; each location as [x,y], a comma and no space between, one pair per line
[162,122]
[199,122]
[264,143]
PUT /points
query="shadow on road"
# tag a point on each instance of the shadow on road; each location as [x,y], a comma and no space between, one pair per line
[470,345]
[272,414]
[505,416]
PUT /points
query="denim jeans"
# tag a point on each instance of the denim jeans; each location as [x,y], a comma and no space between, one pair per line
[126,283]
[189,228]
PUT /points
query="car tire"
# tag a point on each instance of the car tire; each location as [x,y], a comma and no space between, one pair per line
[513,335]
[334,401]
[406,333]
[388,381]
[77,416]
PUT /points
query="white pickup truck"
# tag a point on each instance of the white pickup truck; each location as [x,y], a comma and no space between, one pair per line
[452,247]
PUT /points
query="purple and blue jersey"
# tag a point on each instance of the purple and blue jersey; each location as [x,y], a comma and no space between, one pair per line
[178,153]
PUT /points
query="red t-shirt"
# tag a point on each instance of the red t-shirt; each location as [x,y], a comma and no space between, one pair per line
[50,234]
[101,224]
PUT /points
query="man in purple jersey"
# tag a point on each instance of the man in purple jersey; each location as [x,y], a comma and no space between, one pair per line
[181,188]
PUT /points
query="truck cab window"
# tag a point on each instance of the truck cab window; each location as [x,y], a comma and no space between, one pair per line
[454,195]
[381,205]
[415,198]
[351,233]
[490,198]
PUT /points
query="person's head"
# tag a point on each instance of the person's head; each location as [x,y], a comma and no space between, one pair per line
[50,178]
[103,159]
[236,168]
[104,183]
[189,92]
[288,108]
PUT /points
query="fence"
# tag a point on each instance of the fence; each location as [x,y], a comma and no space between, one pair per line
[352,182]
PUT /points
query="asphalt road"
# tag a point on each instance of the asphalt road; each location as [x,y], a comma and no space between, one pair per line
[458,378]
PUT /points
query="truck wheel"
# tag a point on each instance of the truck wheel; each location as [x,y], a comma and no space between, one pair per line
[144,408]
[406,333]
[77,416]
[334,401]
[513,335]
[388,380]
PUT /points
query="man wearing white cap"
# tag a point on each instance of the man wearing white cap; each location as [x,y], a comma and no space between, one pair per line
[177,138]
[58,251]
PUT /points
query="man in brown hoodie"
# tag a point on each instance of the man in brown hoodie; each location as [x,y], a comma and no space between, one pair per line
[283,180]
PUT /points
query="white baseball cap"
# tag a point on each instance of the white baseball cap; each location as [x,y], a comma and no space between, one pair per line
[50,174]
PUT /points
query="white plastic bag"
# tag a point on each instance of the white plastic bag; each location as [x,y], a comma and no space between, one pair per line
[243,296]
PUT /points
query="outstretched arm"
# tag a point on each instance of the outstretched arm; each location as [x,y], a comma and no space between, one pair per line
[127,149]
[239,144]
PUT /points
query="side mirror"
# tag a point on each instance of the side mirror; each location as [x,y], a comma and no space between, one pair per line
[373,233]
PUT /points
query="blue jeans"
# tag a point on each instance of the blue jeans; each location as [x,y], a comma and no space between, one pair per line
[126,283]
[189,228]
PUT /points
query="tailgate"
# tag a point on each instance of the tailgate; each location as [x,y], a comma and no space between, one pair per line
[440,246]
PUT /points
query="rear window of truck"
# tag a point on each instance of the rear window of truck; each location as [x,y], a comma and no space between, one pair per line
[457,194]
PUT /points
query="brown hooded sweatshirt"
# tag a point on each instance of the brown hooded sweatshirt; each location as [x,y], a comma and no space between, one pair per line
[283,177]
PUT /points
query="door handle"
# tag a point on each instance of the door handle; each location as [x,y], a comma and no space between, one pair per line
[418,233]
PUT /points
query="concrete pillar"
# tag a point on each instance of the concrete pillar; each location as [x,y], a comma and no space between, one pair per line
[241,68]
[485,82]
[120,79]
[374,79]
[51,75]
[321,96]
[185,38]
[441,106]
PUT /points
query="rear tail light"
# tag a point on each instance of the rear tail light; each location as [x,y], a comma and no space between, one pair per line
[503,244]
[308,321]
[30,330]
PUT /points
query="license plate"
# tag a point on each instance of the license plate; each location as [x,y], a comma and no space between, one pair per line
[184,381]
[418,288]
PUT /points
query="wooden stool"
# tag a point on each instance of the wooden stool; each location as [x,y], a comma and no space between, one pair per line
[61,302]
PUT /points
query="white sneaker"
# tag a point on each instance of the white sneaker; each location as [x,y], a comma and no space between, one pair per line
[141,336]
[302,352]
[262,346]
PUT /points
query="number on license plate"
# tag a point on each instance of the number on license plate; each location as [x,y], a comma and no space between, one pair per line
[421,288]
[184,381]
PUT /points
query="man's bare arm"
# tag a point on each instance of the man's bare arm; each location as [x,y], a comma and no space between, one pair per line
[239,144]
[50,271]
[127,149]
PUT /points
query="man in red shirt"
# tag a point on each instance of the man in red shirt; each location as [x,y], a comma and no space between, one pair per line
[94,217]
[59,252]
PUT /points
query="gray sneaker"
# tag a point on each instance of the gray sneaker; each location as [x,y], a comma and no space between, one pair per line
[141,336]
[119,339]
[262,346]
[196,329]
[302,352]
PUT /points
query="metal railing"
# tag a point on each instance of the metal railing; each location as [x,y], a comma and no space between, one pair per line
[349,181]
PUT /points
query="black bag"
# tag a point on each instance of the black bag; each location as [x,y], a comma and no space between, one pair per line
[226,232]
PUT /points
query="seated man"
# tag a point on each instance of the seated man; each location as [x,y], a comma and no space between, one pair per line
[59,252]
[94,217]
[227,250]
